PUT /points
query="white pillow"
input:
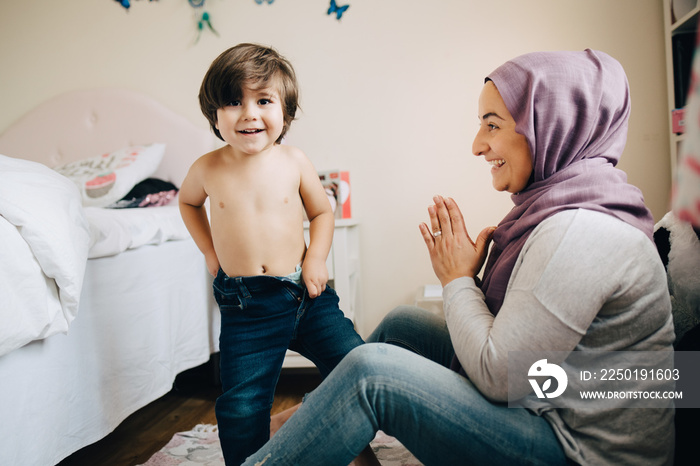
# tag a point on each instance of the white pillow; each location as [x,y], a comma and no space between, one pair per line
[107,178]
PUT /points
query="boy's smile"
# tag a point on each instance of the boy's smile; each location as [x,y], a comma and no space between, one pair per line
[252,123]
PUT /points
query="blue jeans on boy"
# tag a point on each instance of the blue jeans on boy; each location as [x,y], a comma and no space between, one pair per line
[404,387]
[262,317]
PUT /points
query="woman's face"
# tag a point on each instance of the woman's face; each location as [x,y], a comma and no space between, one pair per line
[507,151]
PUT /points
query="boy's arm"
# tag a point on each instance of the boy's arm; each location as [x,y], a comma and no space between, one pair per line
[194,214]
[321,226]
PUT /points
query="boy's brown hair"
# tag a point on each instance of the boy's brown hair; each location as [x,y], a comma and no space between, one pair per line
[244,64]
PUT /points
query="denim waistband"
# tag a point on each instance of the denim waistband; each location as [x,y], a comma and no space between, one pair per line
[258,282]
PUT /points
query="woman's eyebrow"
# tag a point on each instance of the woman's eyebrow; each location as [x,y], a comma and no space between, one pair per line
[491,114]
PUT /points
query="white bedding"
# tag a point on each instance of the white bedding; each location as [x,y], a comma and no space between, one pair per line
[45,239]
[145,315]
[146,310]
[113,231]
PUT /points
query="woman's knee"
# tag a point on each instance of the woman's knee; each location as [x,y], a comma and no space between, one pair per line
[366,360]
[374,360]
[397,324]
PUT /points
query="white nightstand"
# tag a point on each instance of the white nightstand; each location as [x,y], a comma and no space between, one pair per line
[429,297]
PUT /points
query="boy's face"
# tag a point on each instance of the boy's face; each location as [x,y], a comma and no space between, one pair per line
[253,123]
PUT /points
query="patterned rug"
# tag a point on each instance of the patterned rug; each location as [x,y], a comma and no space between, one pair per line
[200,446]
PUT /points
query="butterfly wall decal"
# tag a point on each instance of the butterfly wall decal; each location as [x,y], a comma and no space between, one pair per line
[126,3]
[260,2]
[205,20]
[338,10]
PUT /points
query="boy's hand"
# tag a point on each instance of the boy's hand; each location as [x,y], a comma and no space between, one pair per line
[315,275]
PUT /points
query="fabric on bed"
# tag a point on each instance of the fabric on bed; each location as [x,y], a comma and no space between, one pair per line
[145,315]
[45,240]
[113,231]
[21,279]
[106,178]
[150,192]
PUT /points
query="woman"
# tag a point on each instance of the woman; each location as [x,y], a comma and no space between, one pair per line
[572,268]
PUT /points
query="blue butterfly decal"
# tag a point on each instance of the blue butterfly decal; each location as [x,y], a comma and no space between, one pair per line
[260,2]
[206,20]
[338,10]
[125,3]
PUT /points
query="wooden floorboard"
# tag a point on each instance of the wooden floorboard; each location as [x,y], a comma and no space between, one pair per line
[191,402]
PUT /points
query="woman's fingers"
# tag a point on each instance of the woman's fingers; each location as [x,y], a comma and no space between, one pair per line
[455,215]
[452,252]
[435,226]
[445,220]
[442,217]
[427,236]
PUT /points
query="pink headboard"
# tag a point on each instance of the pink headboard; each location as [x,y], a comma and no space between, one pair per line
[86,123]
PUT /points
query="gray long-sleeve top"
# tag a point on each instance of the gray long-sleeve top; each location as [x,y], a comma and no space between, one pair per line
[583,281]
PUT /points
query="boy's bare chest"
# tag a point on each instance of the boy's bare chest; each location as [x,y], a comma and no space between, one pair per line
[255,192]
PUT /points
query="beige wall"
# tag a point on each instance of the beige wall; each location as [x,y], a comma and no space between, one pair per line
[389,92]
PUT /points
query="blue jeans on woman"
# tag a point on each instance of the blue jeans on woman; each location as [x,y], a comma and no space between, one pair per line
[262,317]
[406,389]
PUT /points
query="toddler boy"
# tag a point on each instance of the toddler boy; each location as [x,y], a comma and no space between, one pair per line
[270,287]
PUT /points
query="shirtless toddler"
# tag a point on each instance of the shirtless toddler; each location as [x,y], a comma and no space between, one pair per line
[271,289]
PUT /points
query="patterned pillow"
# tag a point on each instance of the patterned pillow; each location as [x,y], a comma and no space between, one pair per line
[105,179]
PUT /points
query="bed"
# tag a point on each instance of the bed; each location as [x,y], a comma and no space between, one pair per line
[100,308]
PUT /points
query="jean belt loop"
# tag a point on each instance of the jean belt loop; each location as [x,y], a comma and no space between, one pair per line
[242,289]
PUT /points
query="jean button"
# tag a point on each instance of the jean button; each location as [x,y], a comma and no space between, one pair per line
[299,299]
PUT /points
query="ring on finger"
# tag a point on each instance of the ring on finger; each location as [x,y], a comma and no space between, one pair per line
[437,234]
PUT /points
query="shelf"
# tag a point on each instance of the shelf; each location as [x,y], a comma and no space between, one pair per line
[688,22]
[677,138]
[680,38]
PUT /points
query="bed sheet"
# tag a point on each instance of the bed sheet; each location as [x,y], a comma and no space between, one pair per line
[113,231]
[145,315]
[24,319]
[45,238]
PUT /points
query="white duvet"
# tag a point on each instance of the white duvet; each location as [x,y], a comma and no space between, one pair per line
[45,241]
[46,237]
[113,231]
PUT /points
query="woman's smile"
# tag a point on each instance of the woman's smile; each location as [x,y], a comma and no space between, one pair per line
[506,150]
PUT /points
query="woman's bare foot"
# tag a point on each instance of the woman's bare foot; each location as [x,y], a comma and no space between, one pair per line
[366,458]
[278,420]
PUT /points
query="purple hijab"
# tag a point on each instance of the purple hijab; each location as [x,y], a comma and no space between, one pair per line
[573,108]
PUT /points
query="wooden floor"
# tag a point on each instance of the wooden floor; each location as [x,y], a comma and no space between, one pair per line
[191,402]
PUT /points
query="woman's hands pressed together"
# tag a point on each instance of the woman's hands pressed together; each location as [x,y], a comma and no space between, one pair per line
[452,252]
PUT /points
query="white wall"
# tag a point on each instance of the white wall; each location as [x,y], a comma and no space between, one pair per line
[389,92]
